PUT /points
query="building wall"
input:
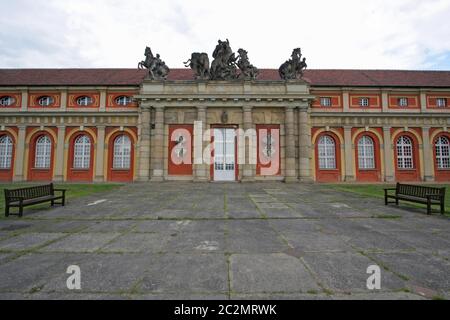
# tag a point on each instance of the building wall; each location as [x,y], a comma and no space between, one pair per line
[159,108]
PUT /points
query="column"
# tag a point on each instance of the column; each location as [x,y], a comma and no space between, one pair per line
[100,152]
[290,172]
[63,100]
[388,155]
[304,144]
[144,143]
[250,141]
[199,167]
[157,154]
[20,155]
[59,165]
[349,155]
[427,155]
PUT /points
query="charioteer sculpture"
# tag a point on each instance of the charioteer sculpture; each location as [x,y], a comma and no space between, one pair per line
[294,67]
[225,66]
[157,69]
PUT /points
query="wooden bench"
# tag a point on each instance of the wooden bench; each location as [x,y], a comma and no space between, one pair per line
[23,197]
[419,194]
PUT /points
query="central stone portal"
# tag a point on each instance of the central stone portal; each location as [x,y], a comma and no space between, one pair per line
[246,130]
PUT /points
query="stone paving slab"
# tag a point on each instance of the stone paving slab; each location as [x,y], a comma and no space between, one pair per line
[346,272]
[28,241]
[225,241]
[86,242]
[269,273]
[175,273]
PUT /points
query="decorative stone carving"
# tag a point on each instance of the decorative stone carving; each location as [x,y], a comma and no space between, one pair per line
[248,71]
[223,66]
[224,117]
[199,63]
[158,70]
[294,67]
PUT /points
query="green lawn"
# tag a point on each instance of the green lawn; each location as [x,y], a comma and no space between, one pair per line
[377,191]
[73,191]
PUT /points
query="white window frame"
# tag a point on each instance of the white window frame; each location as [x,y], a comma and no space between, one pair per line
[6,152]
[405,153]
[43,153]
[7,101]
[366,153]
[441,102]
[82,152]
[46,101]
[326,147]
[442,147]
[123,100]
[325,102]
[403,102]
[364,102]
[84,101]
[122,152]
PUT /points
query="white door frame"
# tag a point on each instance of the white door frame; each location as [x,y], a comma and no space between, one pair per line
[224,162]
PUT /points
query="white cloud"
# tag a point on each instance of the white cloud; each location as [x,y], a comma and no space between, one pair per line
[401,34]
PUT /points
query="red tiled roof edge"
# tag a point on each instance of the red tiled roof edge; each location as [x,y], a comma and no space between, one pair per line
[134,77]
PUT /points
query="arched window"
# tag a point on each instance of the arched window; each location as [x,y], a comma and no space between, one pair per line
[82,152]
[366,153]
[122,152]
[43,152]
[6,148]
[327,153]
[405,153]
[84,101]
[123,100]
[443,152]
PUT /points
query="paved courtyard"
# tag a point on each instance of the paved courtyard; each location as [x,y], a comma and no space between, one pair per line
[225,241]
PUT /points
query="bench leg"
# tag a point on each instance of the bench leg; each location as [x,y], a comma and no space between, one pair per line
[442,208]
[385,200]
[53,203]
[63,201]
[21,211]
[429,207]
[396,201]
[7,211]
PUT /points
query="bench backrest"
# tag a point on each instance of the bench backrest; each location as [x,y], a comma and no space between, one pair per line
[420,191]
[31,192]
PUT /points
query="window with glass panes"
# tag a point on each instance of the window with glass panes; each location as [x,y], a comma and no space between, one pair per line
[122,152]
[327,153]
[405,153]
[82,152]
[6,148]
[43,153]
[442,146]
[366,153]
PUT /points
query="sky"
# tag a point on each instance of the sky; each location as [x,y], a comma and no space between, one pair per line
[344,34]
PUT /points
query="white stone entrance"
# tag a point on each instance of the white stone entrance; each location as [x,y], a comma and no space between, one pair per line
[224,154]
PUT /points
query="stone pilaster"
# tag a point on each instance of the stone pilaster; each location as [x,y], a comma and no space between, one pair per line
[290,172]
[157,152]
[349,154]
[20,155]
[24,101]
[346,101]
[423,101]
[304,144]
[102,100]
[144,143]
[200,168]
[100,152]
[427,155]
[385,101]
[249,143]
[388,155]
[59,163]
